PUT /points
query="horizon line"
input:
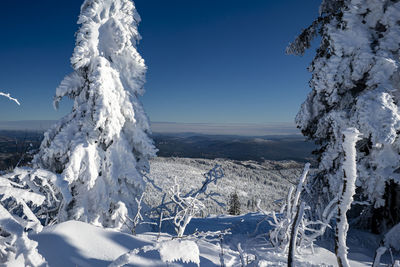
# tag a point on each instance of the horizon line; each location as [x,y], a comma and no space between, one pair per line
[242,129]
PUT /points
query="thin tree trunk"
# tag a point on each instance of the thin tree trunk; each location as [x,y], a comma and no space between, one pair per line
[293,235]
[350,137]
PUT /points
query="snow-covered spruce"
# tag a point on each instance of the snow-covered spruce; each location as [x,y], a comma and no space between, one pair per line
[355,83]
[102,147]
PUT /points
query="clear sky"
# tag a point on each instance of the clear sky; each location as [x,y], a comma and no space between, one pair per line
[209,61]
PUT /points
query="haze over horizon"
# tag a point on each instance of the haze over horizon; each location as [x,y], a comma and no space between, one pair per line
[241,129]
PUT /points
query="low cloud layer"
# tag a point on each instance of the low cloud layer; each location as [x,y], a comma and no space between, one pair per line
[227,129]
[170,127]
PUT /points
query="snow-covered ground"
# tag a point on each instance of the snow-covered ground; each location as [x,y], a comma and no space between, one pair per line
[78,244]
[213,240]
[268,181]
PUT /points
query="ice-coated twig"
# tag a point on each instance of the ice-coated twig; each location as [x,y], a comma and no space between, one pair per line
[11,98]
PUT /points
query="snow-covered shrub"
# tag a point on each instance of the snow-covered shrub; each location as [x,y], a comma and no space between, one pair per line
[307,230]
[102,147]
[295,230]
[20,198]
[390,241]
[138,219]
[280,234]
[355,83]
[184,206]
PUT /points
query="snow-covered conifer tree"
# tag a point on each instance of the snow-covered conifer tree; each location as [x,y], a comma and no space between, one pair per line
[355,83]
[234,204]
[102,147]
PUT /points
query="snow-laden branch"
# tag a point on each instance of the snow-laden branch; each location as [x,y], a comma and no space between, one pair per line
[25,197]
[11,98]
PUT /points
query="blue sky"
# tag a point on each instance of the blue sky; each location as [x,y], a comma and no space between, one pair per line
[209,61]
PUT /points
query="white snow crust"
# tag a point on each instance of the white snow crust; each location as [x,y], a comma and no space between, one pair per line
[76,243]
[179,250]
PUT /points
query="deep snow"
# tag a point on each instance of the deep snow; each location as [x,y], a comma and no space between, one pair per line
[74,243]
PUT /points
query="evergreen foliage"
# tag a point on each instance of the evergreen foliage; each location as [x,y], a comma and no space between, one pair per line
[355,83]
[234,204]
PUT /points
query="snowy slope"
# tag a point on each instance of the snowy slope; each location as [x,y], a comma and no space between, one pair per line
[78,244]
[267,181]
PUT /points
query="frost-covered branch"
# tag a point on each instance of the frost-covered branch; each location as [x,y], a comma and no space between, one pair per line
[138,219]
[14,241]
[182,207]
[44,183]
[187,207]
[11,98]
[212,176]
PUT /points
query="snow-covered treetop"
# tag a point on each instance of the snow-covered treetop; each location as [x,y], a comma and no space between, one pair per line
[109,29]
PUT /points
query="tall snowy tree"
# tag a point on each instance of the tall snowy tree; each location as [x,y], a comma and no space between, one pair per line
[102,147]
[355,83]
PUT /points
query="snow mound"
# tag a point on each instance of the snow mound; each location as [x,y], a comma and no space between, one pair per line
[75,243]
[185,250]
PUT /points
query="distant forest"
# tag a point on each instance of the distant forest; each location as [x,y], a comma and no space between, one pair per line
[19,146]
